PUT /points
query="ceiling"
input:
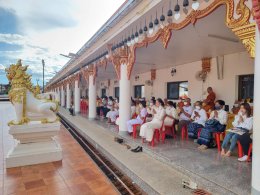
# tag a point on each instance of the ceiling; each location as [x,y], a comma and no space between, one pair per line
[187,45]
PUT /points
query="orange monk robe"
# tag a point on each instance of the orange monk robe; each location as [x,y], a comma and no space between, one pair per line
[210,100]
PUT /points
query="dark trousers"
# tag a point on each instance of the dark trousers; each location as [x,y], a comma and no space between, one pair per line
[71,110]
[245,141]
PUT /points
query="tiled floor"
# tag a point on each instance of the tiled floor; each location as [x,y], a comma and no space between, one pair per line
[75,174]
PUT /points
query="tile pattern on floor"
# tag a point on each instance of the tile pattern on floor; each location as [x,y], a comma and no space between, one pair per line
[75,174]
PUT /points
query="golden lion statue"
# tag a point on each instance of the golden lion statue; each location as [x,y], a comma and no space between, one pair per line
[25,98]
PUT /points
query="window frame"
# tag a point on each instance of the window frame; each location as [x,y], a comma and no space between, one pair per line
[135,96]
[240,77]
[174,82]
[103,89]
[115,92]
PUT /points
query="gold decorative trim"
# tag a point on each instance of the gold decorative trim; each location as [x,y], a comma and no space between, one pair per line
[119,57]
[247,35]
[240,26]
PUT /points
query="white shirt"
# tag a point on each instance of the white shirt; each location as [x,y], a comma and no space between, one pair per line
[150,109]
[171,111]
[132,110]
[143,114]
[203,116]
[222,116]
[187,109]
[109,104]
[246,124]
[160,113]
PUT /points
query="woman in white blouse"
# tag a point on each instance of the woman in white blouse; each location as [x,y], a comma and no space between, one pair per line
[139,119]
[147,129]
[171,114]
[114,112]
[243,121]
[199,117]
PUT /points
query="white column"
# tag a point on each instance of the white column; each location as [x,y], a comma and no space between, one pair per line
[92,97]
[59,96]
[68,96]
[256,126]
[124,100]
[77,97]
[62,96]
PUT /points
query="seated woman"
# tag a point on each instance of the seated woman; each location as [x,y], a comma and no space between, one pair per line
[243,121]
[109,106]
[150,109]
[199,117]
[133,108]
[216,123]
[171,114]
[139,119]
[245,140]
[147,129]
[114,112]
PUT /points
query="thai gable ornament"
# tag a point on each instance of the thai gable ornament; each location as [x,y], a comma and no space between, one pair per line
[241,26]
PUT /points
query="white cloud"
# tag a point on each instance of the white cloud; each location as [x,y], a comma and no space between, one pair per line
[2,67]
[54,27]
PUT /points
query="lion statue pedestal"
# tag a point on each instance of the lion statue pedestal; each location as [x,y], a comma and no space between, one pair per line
[35,144]
[36,121]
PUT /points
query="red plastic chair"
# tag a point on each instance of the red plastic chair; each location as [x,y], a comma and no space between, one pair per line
[241,153]
[135,128]
[249,152]
[156,135]
[167,129]
[217,138]
[240,150]
[184,132]
[81,106]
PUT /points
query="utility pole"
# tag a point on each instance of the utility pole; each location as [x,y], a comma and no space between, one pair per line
[43,64]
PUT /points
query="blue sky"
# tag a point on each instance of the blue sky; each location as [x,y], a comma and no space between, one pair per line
[33,30]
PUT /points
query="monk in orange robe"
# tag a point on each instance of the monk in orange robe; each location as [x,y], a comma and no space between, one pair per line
[210,100]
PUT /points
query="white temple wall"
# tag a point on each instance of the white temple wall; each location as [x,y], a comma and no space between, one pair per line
[227,89]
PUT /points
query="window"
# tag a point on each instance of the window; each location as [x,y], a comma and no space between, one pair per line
[116,92]
[103,93]
[176,90]
[246,87]
[86,92]
[139,91]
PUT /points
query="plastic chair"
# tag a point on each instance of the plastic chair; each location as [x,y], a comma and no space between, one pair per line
[184,132]
[135,128]
[249,152]
[156,135]
[240,149]
[171,129]
[217,138]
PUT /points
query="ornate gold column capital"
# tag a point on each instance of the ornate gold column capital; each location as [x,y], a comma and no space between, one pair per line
[119,57]
[246,34]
